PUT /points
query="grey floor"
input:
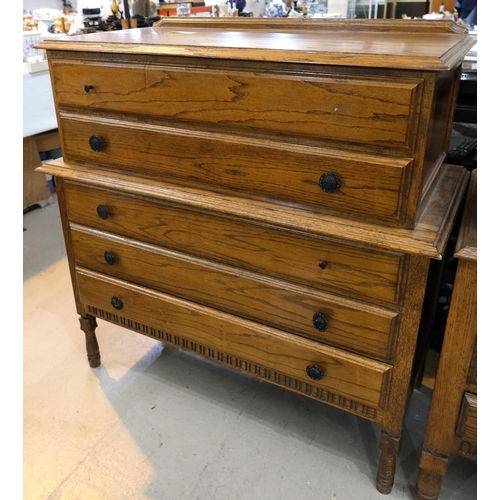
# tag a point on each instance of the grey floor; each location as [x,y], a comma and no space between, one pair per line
[156,423]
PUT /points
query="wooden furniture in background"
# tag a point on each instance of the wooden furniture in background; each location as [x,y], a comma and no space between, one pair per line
[452,424]
[268,199]
[35,187]
[39,130]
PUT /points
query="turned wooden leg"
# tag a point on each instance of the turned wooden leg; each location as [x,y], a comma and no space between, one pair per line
[387,464]
[430,476]
[88,324]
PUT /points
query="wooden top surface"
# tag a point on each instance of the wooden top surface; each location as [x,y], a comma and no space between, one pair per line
[466,247]
[397,44]
[428,239]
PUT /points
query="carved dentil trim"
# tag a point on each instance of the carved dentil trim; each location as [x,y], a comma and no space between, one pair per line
[251,368]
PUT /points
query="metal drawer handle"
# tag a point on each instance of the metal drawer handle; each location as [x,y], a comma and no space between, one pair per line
[88,88]
[315,372]
[102,211]
[329,182]
[116,303]
[320,322]
[109,257]
[96,143]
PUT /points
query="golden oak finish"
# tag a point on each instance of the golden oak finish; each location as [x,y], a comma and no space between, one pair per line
[347,44]
[370,106]
[355,377]
[428,238]
[356,326]
[370,186]
[467,422]
[452,423]
[283,254]
[267,195]
[279,24]
[348,109]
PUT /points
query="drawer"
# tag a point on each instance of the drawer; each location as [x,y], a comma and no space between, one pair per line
[220,335]
[314,262]
[355,326]
[377,111]
[367,187]
[467,420]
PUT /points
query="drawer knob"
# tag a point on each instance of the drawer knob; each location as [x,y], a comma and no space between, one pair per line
[96,143]
[329,182]
[88,88]
[116,303]
[103,211]
[323,264]
[320,322]
[110,258]
[315,372]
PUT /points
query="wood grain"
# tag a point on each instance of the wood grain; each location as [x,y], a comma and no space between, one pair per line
[429,237]
[35,188]
[283,24]
[214,135]
[466,247]
[370,187]
[344,109]
[352,376]
[452,422]
[264,100]
[467,420]
[351,271]
[390,48]
[355,326]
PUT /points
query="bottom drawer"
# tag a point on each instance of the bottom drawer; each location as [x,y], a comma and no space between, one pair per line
[336,377]
[466,431]
[467,420]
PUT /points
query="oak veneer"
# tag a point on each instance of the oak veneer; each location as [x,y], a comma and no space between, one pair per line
[452,423]
[267,195]
[354,325]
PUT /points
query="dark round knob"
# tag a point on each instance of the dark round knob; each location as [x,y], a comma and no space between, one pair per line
[88,88]
[110,258]
[315,372]
[103,211]
[329,182]
[320,322]
[96,143]
[323,264]
[116,303]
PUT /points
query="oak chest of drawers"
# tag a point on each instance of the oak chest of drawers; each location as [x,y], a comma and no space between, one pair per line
[452,423]
[265,194]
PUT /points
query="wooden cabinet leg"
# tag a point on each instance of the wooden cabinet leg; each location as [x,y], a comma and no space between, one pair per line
[88,324]
[428,485]
[430,476]
[387,464]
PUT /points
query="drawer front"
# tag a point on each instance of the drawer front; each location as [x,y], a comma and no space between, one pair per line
[351,376]
[467,420]
[365,186]
[368,111]
[304,260]
[331,320]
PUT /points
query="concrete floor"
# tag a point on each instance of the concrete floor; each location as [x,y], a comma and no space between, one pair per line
[153,422]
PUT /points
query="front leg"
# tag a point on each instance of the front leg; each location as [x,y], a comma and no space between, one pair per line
[387,464]
[88,324]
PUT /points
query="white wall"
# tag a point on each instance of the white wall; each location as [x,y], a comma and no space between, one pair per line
[30,5]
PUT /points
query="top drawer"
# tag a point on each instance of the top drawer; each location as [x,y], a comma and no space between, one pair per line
[370,111]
